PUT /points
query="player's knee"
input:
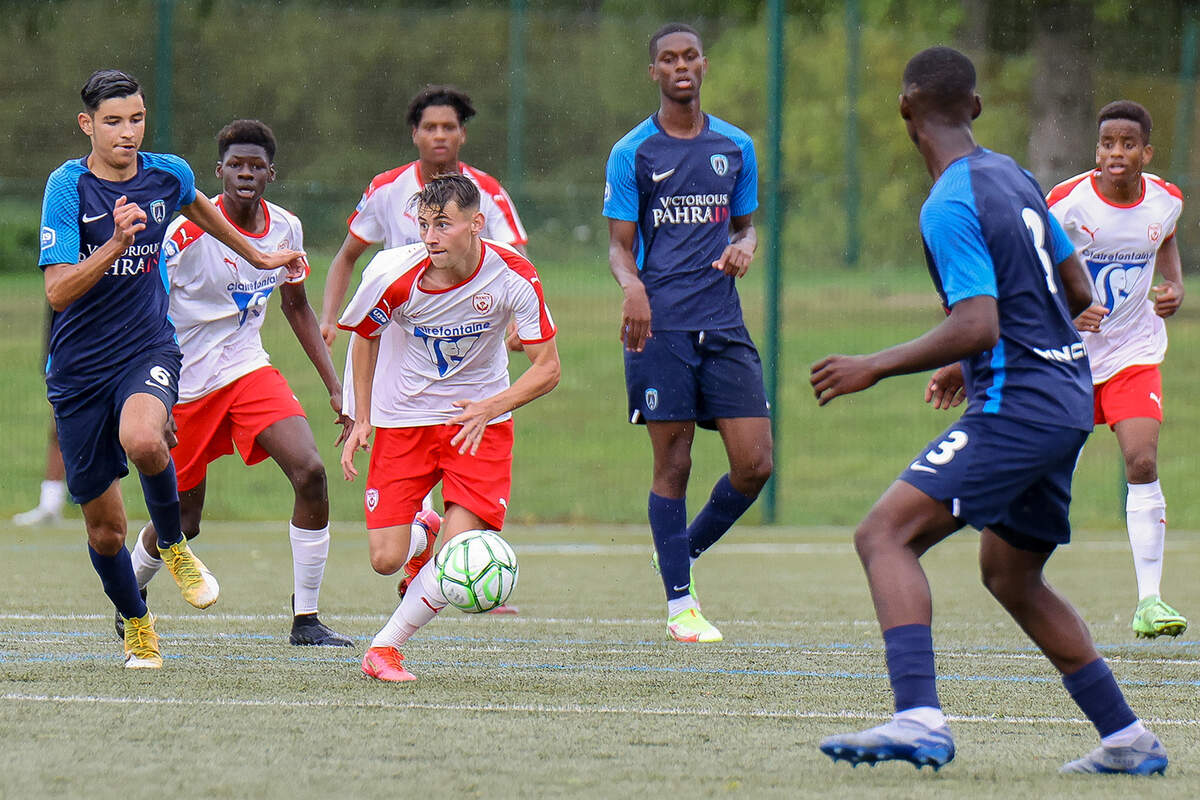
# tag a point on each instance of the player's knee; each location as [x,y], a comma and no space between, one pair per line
[868,540]
[107,539]
[673,471]
[749,478]
[387,562]
[1007,586]
[309,482]
[1141,467]
[147,450]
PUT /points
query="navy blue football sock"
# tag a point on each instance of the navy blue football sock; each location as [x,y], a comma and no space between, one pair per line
[116,574]
[162,501]
[910,666]
[1095,691]
[723,508]
[668,525]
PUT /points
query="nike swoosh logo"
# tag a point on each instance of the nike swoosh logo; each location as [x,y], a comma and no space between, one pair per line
[681,588]
[87,219]
[919,467]
[657,177]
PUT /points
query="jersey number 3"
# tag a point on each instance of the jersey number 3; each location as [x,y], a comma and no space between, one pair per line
[1037,231]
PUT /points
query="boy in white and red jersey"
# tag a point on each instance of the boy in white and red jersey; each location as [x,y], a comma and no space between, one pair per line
[443,408]
[1122,222]
[438,117]
[229,394]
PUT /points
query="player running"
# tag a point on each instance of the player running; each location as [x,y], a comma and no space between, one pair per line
[679,194]
[229,394]
[1005,466]
[114,363]
[437,116]
[442,412]
[1122,222]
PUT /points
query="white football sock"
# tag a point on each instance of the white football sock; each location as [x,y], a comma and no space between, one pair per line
[928,716]
[1145,515]
[418,540]
[310,550]
[1124,737]
[421,603]
[681,604]
[145,564]
[53,496]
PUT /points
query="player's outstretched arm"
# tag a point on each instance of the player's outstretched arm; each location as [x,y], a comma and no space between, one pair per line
[304,324]
[539,379]
[202,212]
[1168,295]
[635,310]
[743,241]
[66,283]
[337,282]
[972,326]
[364,353]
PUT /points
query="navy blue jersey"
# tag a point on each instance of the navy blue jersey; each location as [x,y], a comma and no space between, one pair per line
[987,231]
[682,194]
[125,313]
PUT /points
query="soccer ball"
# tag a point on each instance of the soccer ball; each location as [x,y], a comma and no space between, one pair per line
[477,571]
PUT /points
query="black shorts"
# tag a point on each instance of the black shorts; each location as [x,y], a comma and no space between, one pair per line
[88,420]
[698,376]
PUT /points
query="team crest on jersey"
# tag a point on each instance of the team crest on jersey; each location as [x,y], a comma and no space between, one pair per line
[652,399]
[158,210]
[251,303]
[720,163]
[372,499]
[1154,231]
[482,302]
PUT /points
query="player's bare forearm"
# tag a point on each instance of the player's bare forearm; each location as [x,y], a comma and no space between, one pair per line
[541,377]
[300,316]
[743,241]
[202,212]
[972,326]
[364,353]
[1168,295]
[66,283]
[635,307]
[1077,284]
[337,282]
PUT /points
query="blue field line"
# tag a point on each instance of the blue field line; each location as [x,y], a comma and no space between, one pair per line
[581,668]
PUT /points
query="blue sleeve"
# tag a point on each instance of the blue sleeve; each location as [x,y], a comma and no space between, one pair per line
[182,172]
[1060,244]
[745,188]
[620,184]
[955,239]
[60,219]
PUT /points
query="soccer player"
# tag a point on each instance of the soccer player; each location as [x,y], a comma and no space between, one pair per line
[229,394]
[437,116]
[443,412]
[114,363]
[679,194]
[1122,222]
[1011,282]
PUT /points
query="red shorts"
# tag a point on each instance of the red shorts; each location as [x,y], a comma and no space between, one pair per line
[236,414]
[1133,392]
[406,463]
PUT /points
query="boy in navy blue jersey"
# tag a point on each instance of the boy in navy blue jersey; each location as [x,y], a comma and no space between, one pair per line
[1011,283]
[112,376]
[679,193]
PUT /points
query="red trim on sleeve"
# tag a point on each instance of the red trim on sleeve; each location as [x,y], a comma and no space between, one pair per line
[1063,189]
[394,296]
[185,234]
[380,180]
[500,197]
[1171,188]
[524,267]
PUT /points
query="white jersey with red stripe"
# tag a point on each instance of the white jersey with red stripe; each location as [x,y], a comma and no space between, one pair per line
[218,301]
[385,214]
[454,343]
[1119,245]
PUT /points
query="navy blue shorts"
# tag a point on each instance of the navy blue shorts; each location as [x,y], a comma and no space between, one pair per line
[698,376]
[1012,477]
[88,419]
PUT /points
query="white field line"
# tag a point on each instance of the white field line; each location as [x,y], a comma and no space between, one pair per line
[533,709]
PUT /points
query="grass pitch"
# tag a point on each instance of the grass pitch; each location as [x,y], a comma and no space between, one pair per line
[580,695]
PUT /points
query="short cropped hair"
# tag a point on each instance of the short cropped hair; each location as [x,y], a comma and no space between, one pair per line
[444,189]
[667,30]
[246,131]
[106,84]
[437,95]
[1127,109]
[944,76]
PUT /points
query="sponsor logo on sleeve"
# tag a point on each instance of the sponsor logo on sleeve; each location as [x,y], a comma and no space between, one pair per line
[49,237]
[607,191]
[379,315]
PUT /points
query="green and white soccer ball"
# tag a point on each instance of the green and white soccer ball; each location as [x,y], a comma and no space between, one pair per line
[477,571]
